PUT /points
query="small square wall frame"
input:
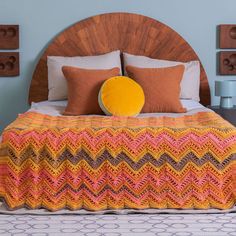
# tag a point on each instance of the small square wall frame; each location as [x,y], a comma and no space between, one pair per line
[227,63]
[9,36]
[9,64]
[227,36]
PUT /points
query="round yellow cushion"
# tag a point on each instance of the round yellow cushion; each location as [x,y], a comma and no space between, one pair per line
[121,96]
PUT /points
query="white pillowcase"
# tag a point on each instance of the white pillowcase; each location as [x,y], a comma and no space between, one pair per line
[57,85]
[190,84]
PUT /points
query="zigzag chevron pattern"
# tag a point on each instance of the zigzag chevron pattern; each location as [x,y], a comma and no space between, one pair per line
[100,163]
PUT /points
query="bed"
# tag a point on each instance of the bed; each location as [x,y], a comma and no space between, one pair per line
[183,161]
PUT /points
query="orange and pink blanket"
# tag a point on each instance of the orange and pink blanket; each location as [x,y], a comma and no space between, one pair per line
[97,163]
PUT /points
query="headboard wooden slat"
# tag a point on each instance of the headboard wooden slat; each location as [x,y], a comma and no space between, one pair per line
[131,33]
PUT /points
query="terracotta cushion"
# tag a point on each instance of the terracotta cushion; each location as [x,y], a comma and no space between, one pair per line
[161,87]
[83,88]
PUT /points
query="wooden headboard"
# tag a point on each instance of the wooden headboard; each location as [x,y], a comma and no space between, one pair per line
[132,33]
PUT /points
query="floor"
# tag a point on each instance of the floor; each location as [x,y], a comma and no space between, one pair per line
[119,225]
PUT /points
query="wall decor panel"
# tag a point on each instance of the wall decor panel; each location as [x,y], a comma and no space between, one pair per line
[227,63]
[9,36]
[9,64]
[227,36]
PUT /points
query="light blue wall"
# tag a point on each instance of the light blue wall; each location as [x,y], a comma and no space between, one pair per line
[41,20]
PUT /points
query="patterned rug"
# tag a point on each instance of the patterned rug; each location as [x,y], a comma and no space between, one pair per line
[149,222]
[119,225]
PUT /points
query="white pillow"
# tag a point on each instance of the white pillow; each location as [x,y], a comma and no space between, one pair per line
[190,84]
[57,85]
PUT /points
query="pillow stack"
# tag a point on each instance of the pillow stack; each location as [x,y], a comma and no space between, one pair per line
[93,84]
[190,83]
[57,84]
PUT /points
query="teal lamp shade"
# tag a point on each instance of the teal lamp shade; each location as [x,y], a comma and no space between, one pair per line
[226,90]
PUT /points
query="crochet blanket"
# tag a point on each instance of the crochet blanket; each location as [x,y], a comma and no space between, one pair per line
[97,163]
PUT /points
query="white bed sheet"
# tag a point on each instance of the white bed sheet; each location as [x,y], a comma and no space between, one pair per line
[55,108]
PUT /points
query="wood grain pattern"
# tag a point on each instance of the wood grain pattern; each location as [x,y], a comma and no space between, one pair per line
[227,36]
[131,33]
[9,64]
[9,36]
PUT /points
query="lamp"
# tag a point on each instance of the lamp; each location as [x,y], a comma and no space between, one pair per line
[226,90]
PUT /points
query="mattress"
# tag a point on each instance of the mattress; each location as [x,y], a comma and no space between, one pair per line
[153,161]
[55,108]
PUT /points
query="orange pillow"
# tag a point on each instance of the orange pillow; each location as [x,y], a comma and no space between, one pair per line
[161,87]
[83,88]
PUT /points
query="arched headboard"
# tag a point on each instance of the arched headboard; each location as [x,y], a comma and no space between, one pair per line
[132,33]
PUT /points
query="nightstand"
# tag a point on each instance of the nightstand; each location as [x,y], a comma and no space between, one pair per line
[228,114]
